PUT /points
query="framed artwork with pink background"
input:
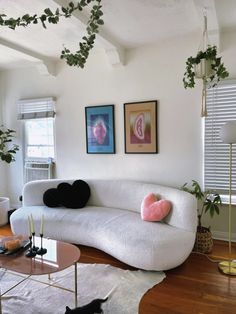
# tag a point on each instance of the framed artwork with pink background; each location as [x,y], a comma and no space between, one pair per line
[140,120]
[100,138]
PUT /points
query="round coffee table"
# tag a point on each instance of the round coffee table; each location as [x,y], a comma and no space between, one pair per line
[60,255]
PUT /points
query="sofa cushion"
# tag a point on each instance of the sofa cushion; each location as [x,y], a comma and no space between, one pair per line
[154,210]
[64,190]
[51,197]
[83,191]
[120,233]
[73,195]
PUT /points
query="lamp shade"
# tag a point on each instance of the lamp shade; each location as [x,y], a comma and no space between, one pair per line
[228,132]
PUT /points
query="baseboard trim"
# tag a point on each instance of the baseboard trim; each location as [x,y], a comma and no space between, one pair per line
[220,235]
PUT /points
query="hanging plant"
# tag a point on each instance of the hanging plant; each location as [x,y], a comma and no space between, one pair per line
[6,154]
[78,58]
[208,67]
[214,68]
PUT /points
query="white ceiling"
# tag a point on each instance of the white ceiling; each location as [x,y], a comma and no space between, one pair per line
[128,24]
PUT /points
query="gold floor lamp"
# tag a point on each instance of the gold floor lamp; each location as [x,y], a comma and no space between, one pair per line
[228,136]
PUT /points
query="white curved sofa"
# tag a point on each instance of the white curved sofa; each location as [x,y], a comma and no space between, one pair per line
[111,221]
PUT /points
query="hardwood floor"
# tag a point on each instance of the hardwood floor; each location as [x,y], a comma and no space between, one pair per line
[5,231]
[195,287]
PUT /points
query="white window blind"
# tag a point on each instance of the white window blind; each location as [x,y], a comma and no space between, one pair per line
[221,107]
[36,108]
[38,117]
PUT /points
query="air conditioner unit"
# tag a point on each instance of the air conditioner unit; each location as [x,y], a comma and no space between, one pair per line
[37,170]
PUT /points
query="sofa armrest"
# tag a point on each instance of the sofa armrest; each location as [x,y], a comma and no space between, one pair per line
[184,211]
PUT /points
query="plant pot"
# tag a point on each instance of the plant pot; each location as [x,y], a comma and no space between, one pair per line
[203,69]
[203,242]
[4,208]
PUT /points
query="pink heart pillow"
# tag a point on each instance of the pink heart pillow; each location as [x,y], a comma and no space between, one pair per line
[154,210]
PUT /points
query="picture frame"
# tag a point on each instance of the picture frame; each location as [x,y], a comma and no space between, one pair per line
[100,126]
[140,125]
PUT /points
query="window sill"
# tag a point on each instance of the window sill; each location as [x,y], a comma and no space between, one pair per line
[225,199]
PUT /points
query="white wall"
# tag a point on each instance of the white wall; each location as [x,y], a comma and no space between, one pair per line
[3,175]
[150,73]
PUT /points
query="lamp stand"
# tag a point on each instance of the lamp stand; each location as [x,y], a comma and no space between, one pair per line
[229,267]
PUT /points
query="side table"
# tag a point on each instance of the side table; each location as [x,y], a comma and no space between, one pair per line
[60,255]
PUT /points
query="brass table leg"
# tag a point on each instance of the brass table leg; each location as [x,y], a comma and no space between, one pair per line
[76,288]
[0,301]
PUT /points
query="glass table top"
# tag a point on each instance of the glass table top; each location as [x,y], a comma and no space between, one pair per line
[59,256]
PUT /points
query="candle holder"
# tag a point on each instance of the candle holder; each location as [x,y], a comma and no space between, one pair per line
[30,252]
[42,250]
[34,248]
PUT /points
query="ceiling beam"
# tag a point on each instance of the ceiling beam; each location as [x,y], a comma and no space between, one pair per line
[208,8]
[115,52]
[44,65]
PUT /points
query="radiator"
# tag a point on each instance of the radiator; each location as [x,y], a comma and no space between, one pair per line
[37,171]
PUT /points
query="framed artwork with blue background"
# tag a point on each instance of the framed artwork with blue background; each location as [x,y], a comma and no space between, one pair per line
[100,137]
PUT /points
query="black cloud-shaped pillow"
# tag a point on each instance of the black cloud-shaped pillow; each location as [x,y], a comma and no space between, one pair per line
[74,195]
[51,198]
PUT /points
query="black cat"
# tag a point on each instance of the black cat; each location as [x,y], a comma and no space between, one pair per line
[91,308]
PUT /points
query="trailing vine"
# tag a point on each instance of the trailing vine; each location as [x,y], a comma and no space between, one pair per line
[78,58]
[219,70]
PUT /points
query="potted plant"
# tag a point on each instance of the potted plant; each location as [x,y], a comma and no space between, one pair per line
[8,155]
[206,65]
[209,203]
[6,136]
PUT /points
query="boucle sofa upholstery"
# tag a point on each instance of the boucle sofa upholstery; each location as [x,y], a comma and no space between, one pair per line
[111,221]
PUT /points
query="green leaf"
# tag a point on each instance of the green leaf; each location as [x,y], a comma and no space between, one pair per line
[48,12]
[43,17]
[78,58]
[25,17]
[64,10]
[71,4]
[8,158]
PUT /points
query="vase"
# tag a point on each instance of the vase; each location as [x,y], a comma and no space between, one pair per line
[203,69]
[4,208]
[203,241]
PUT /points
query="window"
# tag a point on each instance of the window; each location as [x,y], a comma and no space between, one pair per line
[38,128]
[39,139]
[221,107]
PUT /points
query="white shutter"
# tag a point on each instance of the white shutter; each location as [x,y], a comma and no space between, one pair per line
[221,107]
[36,108]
